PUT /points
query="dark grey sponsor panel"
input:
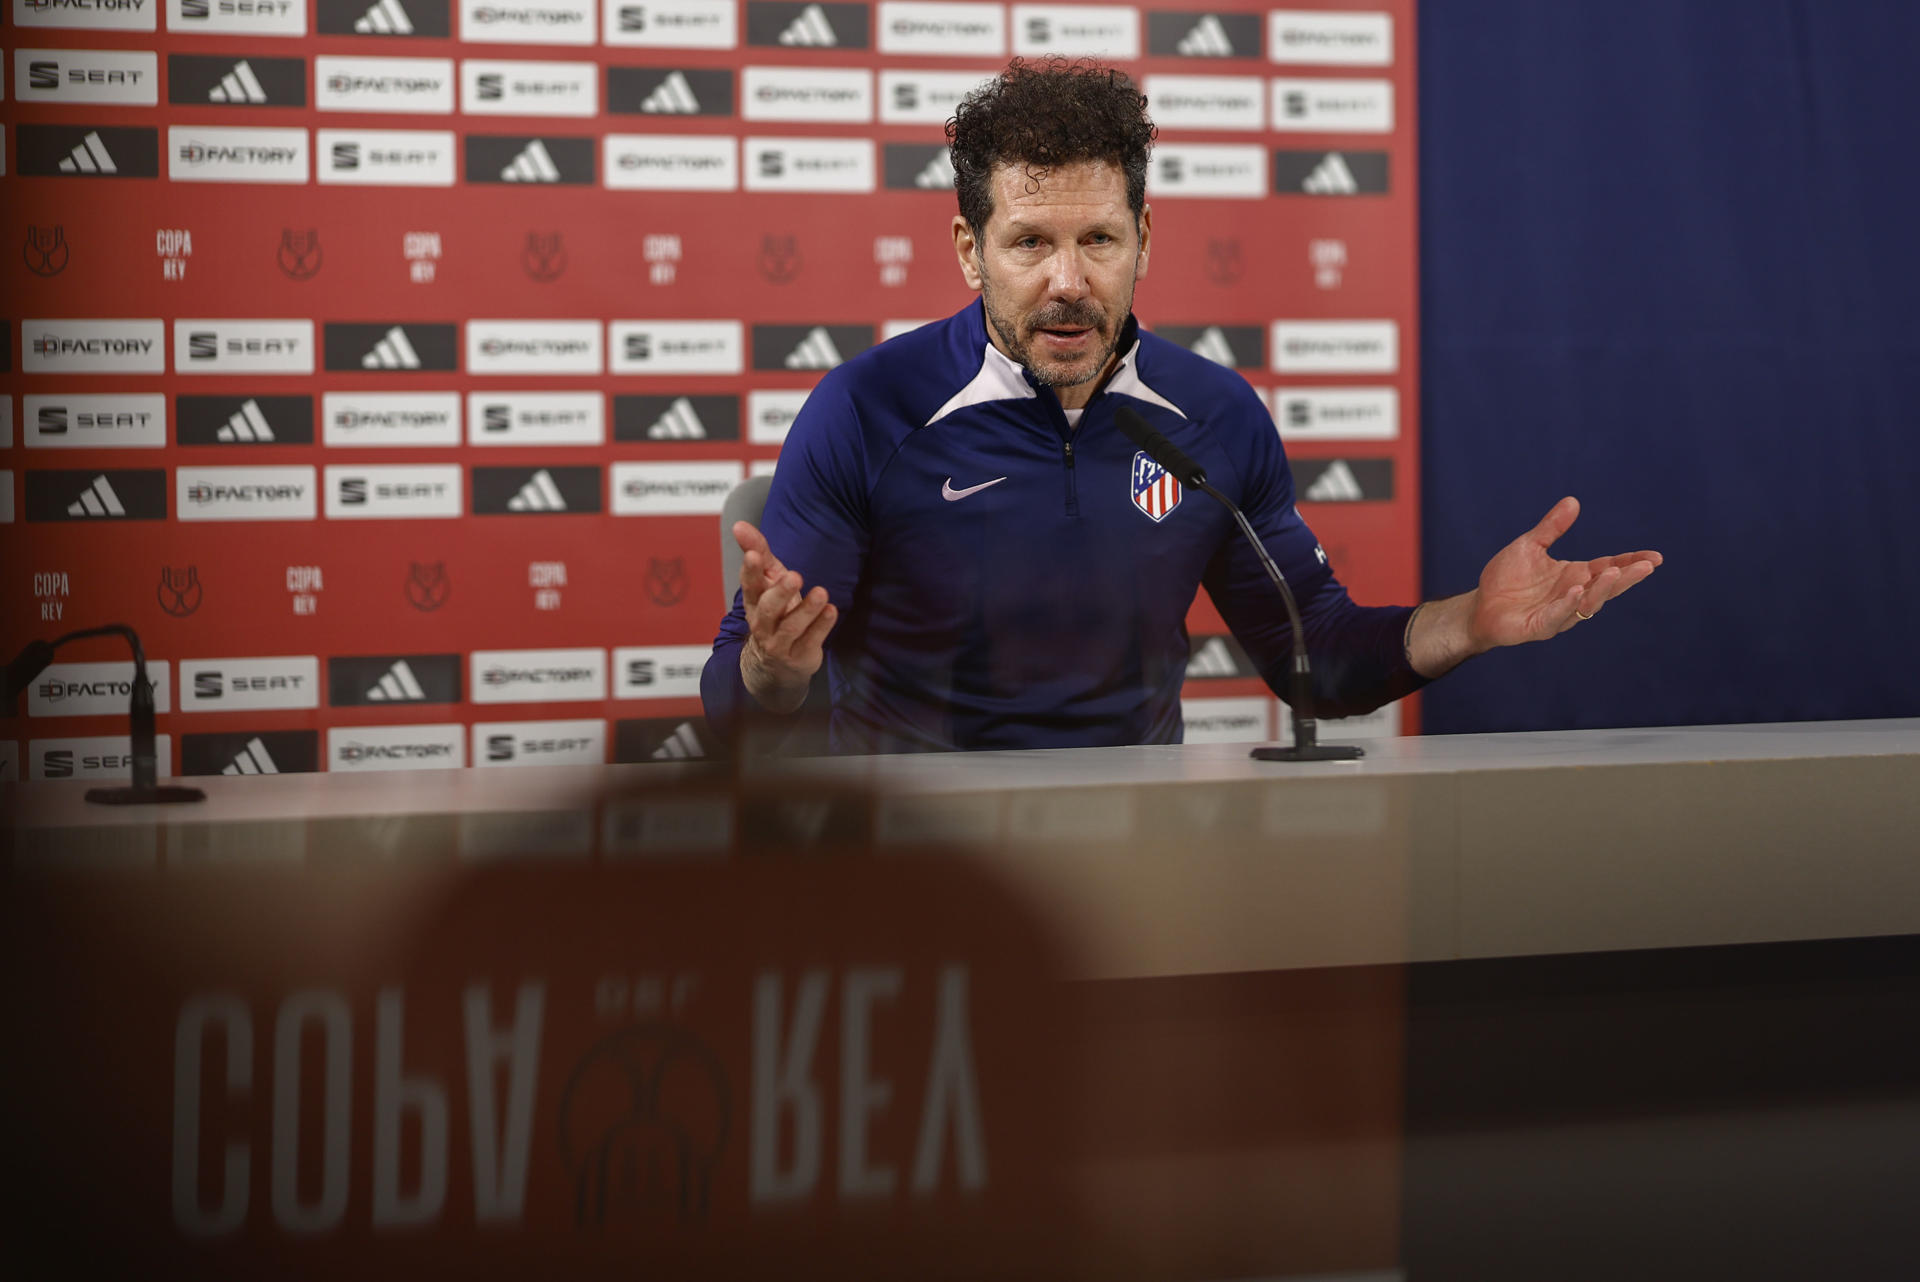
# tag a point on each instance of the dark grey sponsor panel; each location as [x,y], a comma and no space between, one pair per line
[1186,34]
[902,165]
[252,752]
[635,416]
[491,156]
[193,78]
[211,420]
[1207,647]
[648,739]
[434,346]
[773,344]
[427,19]
[845,25]
[111,494]
[367,680]
[87,151]
[630,90]
[1327,173]
[496,488]
[1247,342]
[1373,475]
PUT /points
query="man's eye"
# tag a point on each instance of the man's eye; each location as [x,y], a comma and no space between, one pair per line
[1028,242]
[1101,238]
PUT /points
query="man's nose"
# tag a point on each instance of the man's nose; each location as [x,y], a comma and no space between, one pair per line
[1067,274]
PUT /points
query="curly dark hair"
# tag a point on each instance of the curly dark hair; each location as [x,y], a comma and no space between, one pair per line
[1043,114]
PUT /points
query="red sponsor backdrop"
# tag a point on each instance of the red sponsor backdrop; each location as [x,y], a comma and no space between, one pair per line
[1303,239]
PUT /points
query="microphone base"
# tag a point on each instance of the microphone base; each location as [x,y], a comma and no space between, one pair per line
[162,795]
[1310,752]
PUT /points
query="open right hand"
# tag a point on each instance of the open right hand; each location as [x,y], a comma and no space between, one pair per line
[787,626]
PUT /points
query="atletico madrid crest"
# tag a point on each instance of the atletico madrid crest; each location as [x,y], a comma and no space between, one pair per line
[1155,491]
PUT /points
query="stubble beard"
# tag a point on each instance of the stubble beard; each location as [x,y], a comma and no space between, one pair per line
[1007,328]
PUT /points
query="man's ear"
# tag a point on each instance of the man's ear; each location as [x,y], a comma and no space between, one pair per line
[966,249]
[1146,241]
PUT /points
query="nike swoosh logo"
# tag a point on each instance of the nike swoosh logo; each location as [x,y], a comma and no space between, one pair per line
[952,495]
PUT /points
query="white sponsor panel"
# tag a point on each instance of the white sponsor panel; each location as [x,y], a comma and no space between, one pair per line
[675,347]
[397,491]
[94,757]
[249,685]
[926,97]
[536,418]
[944,30]
[1337,413]
[377,419]
[539,743]
[417,86]
[527,22]
[210,154]
[91,422]
[762,467]
[659,671]
[895,328]
[434,747]
[1211,170]
[833,95]
[1097,31]
[673,489]
[86,75]
[770,415]
[667,162]
[493,88]
[1333,106]
[1382,723]
[538,676]
[95,689]
[1336,347]
[238,17]
[93,347]
[244,493]
[1330,39]
[385,157]
[808,164]
[1243,720]
[243,347]
[533,347]
[96,15]
[1207,102]
[672,24]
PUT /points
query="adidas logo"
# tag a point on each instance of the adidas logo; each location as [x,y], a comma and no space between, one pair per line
[393,351]
[937,174]
[1331,177]
[532,165]
[97,499]
[539,494]
[252,759]
[815,351]
[399,685]
[238,85]
[90,157]
[1213,345]
[810,30]
[247,424]
[683,744]
[1336,485]
[674,97]
[1208,39]
[386,18]
[1212,660]
[679,423]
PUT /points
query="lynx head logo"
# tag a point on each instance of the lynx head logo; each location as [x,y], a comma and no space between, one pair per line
[299,255]
[666,580]
[545,256]
[1223,260]
[46,250]
[779,258]
[179,590]
[427,585]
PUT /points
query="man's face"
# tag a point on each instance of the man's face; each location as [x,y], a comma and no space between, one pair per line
[1056,266]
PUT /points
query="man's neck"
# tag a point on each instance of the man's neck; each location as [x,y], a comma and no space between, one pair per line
[1077,396]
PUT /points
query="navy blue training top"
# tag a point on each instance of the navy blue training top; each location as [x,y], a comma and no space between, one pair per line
[1006,581]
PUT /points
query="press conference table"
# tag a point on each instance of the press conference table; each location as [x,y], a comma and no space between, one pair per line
[1194,859]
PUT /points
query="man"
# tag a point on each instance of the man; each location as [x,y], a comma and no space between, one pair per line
[961,532]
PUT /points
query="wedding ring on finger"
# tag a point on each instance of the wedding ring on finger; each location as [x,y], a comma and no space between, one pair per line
[1584,616]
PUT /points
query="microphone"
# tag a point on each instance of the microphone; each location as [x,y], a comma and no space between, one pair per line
[143,743]
[1306,745]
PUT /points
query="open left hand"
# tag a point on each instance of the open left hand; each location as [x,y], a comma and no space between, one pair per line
[1526,595]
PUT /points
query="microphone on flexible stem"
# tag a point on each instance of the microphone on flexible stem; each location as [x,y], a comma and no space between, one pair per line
[1306,745]
[143,743]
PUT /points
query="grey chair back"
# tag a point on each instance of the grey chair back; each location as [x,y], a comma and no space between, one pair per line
[745,502]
